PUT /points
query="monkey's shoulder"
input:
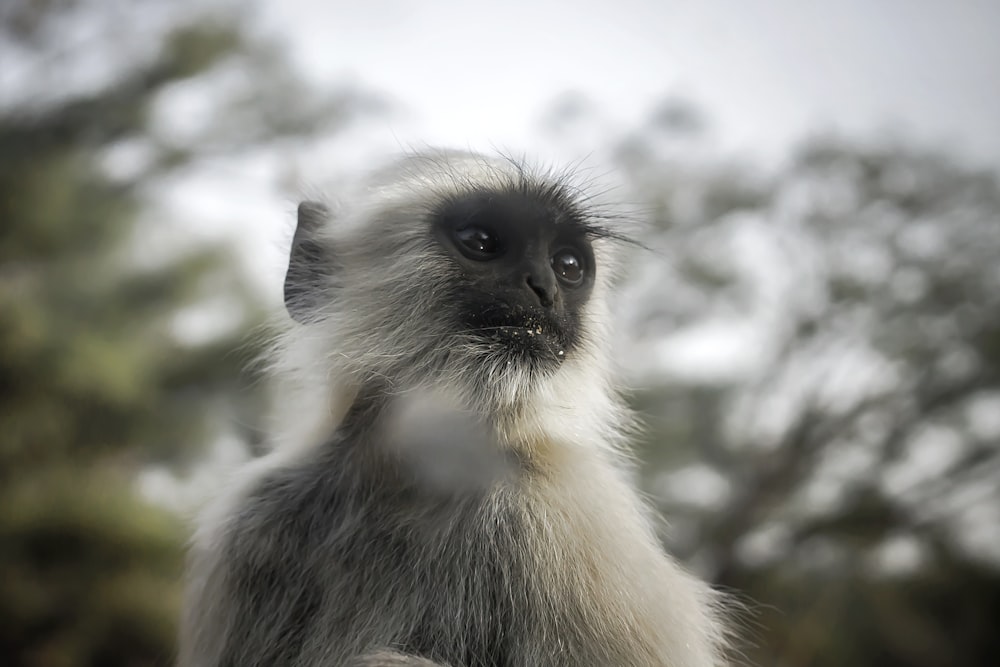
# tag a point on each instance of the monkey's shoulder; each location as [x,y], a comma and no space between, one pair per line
[373,562]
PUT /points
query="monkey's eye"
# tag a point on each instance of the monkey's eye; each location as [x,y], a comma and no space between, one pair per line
[478,243]
[568,267]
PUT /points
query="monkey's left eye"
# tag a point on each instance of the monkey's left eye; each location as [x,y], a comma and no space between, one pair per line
[568,267]
[478,243]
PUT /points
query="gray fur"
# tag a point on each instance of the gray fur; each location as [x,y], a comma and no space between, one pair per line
[350,545]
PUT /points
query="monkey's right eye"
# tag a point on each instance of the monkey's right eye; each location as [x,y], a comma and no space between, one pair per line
[478,243]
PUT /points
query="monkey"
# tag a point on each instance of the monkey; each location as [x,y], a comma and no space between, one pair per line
[450,483]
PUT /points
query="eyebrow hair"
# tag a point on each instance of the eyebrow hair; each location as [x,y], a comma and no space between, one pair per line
[590,222]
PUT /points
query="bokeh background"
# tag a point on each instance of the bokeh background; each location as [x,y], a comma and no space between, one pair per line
[813,338]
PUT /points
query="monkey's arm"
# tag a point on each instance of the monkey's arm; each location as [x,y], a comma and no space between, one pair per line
[387,658]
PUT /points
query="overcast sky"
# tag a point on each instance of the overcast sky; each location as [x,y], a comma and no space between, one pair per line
[767,72]
[482,75]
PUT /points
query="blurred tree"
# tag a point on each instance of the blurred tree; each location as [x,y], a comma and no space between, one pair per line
[834,449]
[95,379]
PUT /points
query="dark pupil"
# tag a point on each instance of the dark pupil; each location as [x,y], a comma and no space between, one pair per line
[478,240]
[567,265]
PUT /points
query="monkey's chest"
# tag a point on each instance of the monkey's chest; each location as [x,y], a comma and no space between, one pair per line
[446,580]
[439,577]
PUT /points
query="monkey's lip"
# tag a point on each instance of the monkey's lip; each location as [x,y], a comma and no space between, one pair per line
[526,338]
[519,329]
[529,333]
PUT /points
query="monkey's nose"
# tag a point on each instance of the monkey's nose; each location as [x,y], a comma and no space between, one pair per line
[543,286]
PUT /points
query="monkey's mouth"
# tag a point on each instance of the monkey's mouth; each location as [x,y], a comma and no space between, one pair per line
[524,336]
[529,342]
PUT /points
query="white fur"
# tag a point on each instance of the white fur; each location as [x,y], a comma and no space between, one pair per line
[591,531]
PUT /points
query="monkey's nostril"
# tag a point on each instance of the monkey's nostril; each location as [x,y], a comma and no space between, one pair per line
[545,293]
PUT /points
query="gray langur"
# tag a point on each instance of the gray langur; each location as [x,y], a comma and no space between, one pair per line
[448,484]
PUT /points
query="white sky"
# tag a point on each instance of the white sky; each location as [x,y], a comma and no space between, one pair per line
[482,74]
[766,72]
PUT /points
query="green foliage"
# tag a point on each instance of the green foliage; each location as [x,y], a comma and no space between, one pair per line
[90,571]
[866,422]
[93,383]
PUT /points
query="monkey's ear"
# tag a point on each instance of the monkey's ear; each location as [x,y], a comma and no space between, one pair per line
[310,263]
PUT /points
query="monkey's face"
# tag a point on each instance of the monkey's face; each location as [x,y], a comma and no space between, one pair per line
[451,267]
[524,268]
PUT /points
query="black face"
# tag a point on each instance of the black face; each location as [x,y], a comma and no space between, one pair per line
[527,268]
